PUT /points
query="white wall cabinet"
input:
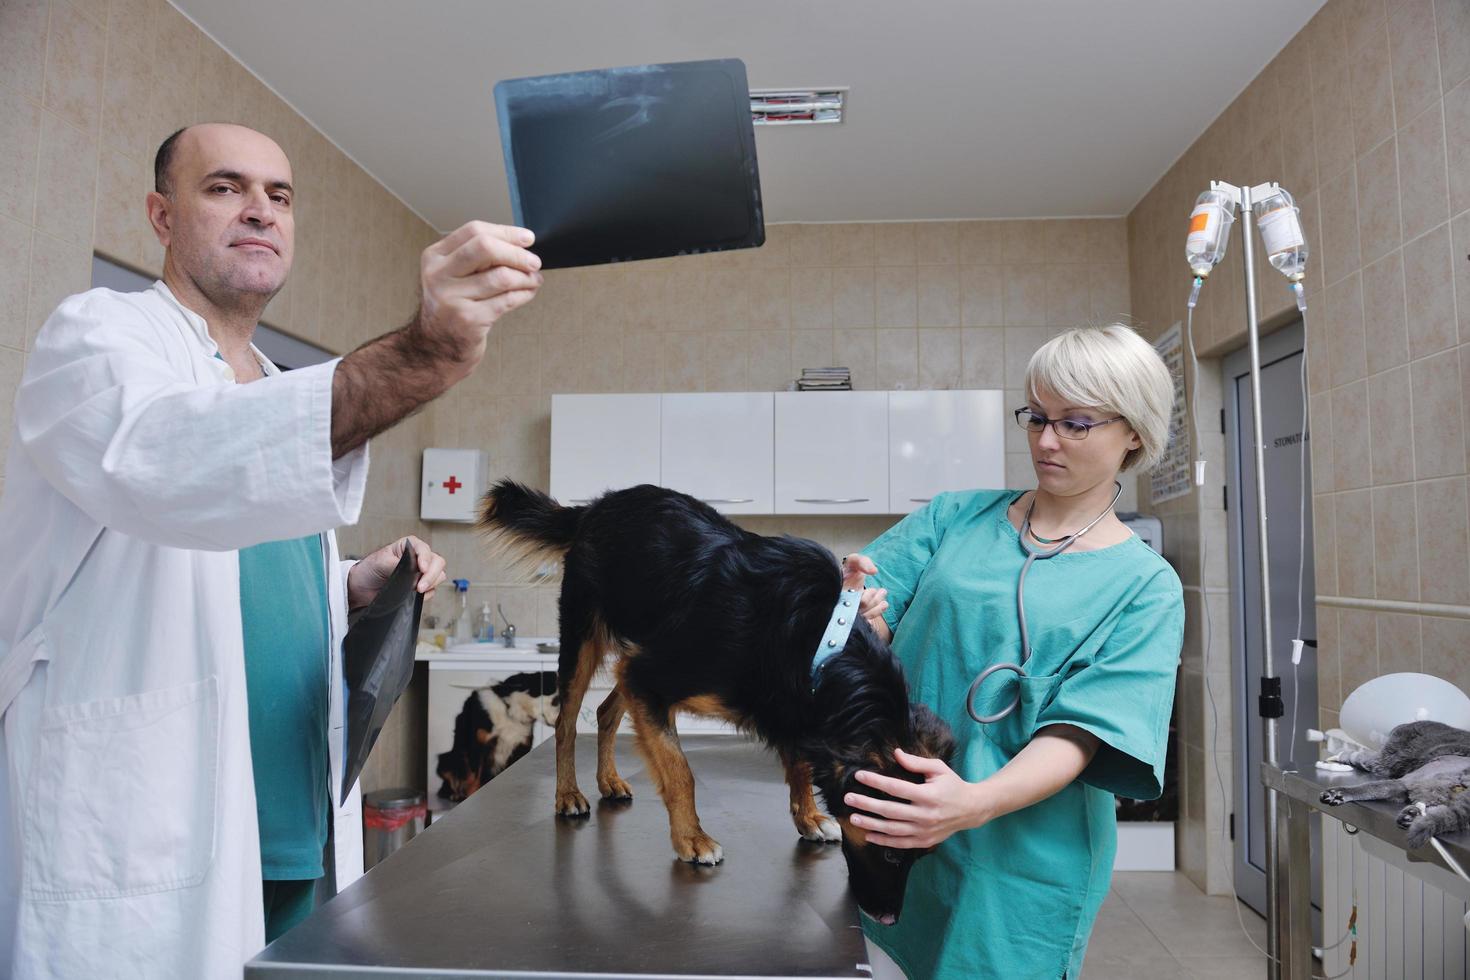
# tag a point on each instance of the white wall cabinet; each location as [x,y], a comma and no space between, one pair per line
[943,440]
[717,446]
[841,452]
[602,442]
[832,452]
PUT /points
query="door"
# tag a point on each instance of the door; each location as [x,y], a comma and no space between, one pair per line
[602,442]
[718,447]
[1288,484]
[943,440]
[832,452]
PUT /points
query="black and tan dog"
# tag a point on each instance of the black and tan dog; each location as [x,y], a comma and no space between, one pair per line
[705,617]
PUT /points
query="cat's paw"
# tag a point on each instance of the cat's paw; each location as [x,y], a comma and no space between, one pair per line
[1333,797]
[1407,816]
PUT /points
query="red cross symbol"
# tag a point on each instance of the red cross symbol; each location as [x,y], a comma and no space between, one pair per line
[453,484]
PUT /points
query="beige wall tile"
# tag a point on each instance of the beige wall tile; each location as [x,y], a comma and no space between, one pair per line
[1351,448]
[811,245]
[1396,542]
[58,270]
[1445,642]
[1021,343]
[1329,659]
[1025,295]
[1378,201]
[683,361]
[897,244]
[853,297]
[1415,76]
[981,242]
[1332,119]
[982,355]
[1345,318]
[66,186]
[20,141]
[937,242]
[1362,21]
[1324,550]
[1457,145]
[770,299]
[857,349]
[898,358]
[811,348]
[1391,420]
[1452,19]
[811,300]
[1108,294]
[1023,243]
[853,245]
[896,297]
[1444,541]
[940,364]
[23,46]
[75,48]
[1355,549]
[1372,90]
[1423,191]
[12,364]
[1340,247]
[1068,301]
[1460,232]
[982,293]
[15,269]
[1429,284]
[1019,472]
[1400,647]
[1319,349]
[1320,408]
[1384,326]
[1438,416]
[770,361]
[726,362]
[938,295]
[1358,643]
[1065,242]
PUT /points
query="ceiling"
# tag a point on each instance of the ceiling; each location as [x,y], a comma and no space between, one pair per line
[958,108]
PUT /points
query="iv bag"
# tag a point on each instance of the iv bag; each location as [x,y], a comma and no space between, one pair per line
[1279,219]
[1209,231]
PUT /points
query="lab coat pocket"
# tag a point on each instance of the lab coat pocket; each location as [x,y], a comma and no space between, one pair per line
[1014,731]
[123,795]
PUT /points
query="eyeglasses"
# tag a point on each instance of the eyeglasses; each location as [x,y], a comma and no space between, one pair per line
[1076,429]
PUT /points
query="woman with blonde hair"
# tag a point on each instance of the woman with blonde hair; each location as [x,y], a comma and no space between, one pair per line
[1047,635]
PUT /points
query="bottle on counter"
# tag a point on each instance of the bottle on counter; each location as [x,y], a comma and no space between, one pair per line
[485,625]
[462,627]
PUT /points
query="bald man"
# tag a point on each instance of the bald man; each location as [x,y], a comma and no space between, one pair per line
[172,604]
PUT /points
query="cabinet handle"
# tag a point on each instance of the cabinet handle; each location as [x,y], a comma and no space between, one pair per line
[920,500]
[831,500]
[727,500]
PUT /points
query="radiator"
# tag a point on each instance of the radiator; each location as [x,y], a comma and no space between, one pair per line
[1410,914]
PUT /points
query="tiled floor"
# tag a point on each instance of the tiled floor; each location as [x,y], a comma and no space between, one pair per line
[1159,926]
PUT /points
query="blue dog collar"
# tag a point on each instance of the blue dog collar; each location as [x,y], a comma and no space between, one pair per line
[839,628]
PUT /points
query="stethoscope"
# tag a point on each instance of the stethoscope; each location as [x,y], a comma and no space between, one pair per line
[1058,545]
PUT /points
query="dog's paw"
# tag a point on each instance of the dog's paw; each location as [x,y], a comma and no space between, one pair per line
[572,804]
[818,826]
[1332,797]
[1407,816]
[699,848]
[614,787]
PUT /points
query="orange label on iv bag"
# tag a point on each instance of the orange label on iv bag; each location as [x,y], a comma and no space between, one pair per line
[1199,221]
[1203,221]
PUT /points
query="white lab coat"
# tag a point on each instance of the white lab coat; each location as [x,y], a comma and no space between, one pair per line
[128,837]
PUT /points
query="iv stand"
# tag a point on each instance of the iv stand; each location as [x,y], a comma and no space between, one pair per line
[1296,965]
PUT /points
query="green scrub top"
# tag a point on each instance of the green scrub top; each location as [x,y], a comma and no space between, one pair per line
[1016,898]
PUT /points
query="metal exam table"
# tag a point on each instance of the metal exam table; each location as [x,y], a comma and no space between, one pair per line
[501,887]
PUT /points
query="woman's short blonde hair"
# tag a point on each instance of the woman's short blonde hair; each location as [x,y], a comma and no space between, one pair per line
[1113,369]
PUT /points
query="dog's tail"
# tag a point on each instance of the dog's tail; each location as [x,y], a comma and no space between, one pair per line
[530,526]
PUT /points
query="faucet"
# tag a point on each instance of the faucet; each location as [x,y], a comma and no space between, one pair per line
[508,634]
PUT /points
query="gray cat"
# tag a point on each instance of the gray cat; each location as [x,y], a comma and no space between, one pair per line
[1422,762]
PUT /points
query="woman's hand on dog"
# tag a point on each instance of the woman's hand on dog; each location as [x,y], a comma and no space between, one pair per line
[873,602]
[940,806]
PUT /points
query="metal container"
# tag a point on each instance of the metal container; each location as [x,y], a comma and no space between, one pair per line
[390,819]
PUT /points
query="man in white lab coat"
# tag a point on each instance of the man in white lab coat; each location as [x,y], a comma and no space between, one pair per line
[153,449]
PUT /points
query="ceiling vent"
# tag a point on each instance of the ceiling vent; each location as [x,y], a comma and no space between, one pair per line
[797,107]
